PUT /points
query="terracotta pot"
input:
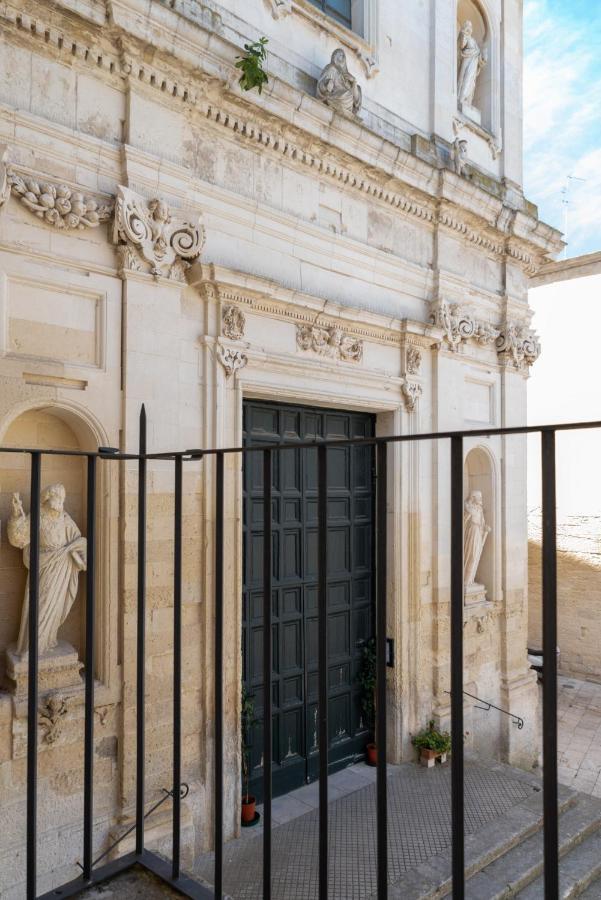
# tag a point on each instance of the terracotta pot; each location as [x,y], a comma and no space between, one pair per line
[371,754]
[429,754]
[249,808]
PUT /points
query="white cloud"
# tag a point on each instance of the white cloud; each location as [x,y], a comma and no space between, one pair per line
[562,118]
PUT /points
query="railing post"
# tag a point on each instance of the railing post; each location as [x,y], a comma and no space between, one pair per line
[381,539]
[457,589]
[32,685]
[322,656]
[177,666]
[219,510]
[141,638]
[549,549]
[267,668]
[88,793]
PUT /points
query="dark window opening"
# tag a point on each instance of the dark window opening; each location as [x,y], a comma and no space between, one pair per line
[337,9]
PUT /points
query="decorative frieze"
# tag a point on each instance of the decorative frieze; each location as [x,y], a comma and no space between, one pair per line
[154,240]
[231,360]
[411,392]
[459,325]
[329,341]
[233,321]
[518,345]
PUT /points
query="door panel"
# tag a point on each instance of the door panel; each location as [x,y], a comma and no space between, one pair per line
[295,546]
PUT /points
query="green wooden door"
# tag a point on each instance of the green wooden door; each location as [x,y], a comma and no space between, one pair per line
[350,586]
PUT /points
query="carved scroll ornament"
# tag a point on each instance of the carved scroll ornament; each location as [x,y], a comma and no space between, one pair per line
[329,341]
[411,393]
[154,241]
[518,345]
[231,359]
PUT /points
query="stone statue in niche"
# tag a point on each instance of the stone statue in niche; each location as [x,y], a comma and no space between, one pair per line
[338,88]
[475,533]
[471,59]
[62,558]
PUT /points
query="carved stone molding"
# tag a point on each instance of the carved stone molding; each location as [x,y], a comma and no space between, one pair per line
[231,360]
[329,341]
[55,203]
[414,360]
[518,346]
[52,711]
[153,240]
[280,8]
[459,325]
[233,321]
[411,393]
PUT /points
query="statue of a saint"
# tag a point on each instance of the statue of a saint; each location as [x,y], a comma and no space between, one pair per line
[338,88]
[475,532]
[62,557]
[459,155]
[471,59]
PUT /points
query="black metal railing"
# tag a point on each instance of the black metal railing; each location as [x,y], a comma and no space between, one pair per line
[170,872]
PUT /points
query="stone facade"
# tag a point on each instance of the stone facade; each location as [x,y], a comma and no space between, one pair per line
[166,239]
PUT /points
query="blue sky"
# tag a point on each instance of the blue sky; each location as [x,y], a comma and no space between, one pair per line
[562,115]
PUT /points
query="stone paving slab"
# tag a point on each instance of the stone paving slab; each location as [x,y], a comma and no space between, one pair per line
[419,831]
[579,735]
[135,884]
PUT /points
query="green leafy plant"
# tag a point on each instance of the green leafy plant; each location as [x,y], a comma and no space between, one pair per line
[251,65]
[431,739]
[366,679]
[247,716]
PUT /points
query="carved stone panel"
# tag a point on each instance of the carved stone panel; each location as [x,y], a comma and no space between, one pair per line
[329,341]
[233,320]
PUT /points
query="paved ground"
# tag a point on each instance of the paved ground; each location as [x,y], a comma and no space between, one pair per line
[579,720]
[136,884]
[419,816]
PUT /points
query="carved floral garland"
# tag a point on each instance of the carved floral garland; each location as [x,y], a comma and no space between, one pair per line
[59,205]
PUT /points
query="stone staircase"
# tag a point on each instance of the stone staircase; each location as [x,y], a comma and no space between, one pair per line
[505,859]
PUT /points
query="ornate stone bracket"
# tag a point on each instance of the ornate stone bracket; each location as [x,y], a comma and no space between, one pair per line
[329,341]
[55,203]
[152,239]
[233,322]
[518,346]
[52,712]
[411,393]
[459,325]
[231,360]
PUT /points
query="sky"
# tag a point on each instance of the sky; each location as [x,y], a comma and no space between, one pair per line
[562,116]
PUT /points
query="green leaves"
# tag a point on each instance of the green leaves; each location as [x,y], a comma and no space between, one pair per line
[251,65]
[430,739]
[366,679]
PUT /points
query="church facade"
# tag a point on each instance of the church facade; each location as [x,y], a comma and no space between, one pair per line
[344,253]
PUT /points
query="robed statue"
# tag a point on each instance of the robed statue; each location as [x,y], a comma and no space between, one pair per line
[338,88]
[62,558]
[475,532]
[471,59]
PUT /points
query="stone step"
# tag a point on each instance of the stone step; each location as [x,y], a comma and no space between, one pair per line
[518,872]
[577,871]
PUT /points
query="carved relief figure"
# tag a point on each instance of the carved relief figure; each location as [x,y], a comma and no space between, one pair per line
[329,341]
[459,155]
[338,88]
[475,532]
[471,60]
[62,558]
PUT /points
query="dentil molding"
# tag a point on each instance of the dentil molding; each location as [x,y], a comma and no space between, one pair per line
[153,240]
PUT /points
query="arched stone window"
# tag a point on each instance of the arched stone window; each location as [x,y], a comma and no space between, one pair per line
[482,110]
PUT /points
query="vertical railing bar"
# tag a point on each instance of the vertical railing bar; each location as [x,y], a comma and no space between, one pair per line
[381,586]
[219,505]
[32,686]
[267,669]
[457,590]
[177,666]
[322,655]
[141,638]
[88,793]
[549,612]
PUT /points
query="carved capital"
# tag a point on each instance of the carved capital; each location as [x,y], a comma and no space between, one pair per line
[518,346]
[459,325]
[329,341]
[231,360]
[155,241]
[411,393]
[233,322]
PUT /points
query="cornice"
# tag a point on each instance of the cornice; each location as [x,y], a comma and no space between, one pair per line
[345,152]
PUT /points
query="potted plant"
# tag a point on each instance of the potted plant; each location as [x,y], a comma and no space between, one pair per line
[247,714]
[366,679]
[432,745]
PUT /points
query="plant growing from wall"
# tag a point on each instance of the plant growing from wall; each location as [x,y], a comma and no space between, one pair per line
[247,716]
[366,679]
[251,66]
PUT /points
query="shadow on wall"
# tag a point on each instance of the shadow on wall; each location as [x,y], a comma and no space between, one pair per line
[578,592]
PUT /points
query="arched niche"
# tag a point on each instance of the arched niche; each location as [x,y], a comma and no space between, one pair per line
[473,11]
[479,476]
[43,427]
